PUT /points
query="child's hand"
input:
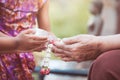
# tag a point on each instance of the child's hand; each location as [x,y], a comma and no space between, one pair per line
[27,41]
[51,37]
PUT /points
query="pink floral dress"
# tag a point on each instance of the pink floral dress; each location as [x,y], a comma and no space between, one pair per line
[15,16]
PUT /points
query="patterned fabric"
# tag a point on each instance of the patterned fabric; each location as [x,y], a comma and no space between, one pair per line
[15,16]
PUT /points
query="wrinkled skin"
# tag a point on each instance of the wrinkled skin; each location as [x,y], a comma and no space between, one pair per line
[78,48]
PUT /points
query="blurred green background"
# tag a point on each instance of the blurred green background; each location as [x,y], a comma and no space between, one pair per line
[69,17]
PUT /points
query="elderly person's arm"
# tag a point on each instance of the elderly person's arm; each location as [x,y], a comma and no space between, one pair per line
[109,42]
[85,47]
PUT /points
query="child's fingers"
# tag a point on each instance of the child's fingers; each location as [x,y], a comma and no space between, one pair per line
[39,43]
[37,38]
[29,31]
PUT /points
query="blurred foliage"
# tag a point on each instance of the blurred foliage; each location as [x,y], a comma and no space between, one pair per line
[69,17]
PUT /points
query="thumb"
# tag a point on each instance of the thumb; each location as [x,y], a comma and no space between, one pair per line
[70,40]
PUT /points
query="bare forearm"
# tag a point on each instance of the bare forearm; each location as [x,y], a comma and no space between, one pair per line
[43,17]
[109,42]
[8,44]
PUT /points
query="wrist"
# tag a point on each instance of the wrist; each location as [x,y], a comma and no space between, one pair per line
[16,44]
[104,43]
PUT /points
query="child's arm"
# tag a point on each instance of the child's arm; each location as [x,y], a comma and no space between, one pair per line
[24,42]
[8,44]
[43,17]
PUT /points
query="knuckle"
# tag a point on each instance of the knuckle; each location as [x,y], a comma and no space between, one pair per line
[31,42]
[74,49]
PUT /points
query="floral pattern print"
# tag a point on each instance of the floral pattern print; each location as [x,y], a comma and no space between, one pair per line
[15,16]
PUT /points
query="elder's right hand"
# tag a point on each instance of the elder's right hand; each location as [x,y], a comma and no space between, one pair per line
[78,48]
